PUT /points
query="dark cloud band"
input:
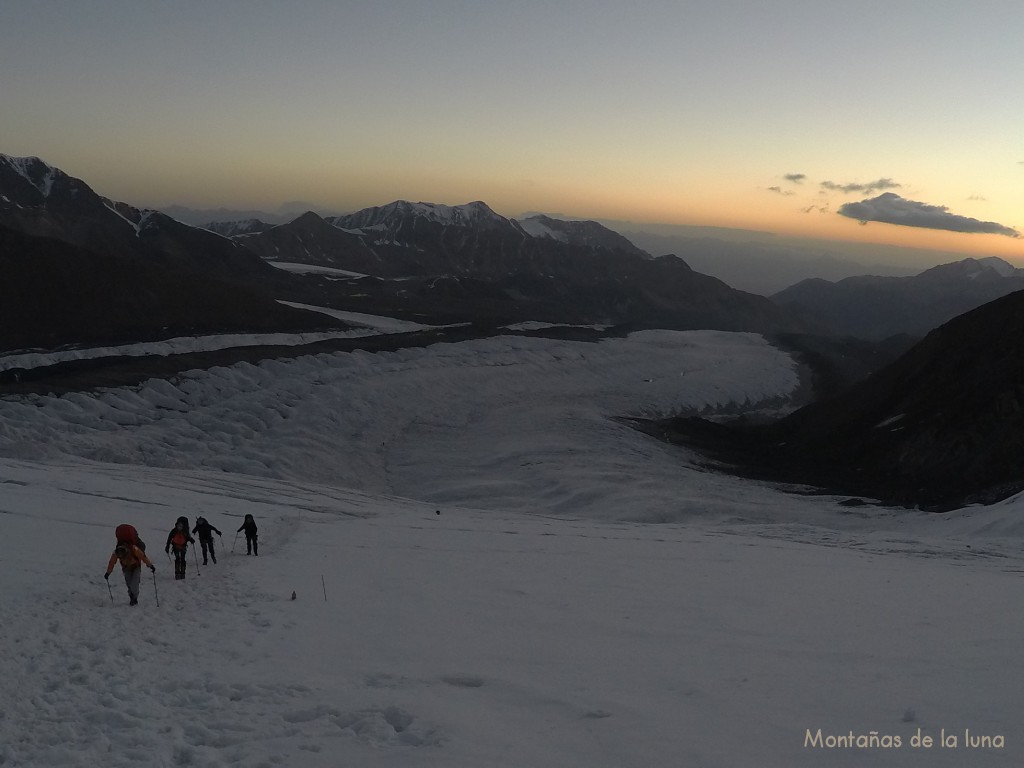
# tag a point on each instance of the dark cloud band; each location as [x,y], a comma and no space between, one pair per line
[865,189]
[890,208]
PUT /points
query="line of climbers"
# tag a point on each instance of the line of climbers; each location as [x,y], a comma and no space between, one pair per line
[130,550]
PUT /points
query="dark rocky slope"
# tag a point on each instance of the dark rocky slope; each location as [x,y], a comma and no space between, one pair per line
[941,427]
[54,293]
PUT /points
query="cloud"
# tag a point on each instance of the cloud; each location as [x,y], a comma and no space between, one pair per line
[878,185]
[890,208]
[796,178]
[780,191]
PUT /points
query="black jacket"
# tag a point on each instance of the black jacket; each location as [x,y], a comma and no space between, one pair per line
[204,529]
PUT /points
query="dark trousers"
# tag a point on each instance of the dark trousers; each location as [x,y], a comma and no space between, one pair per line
[179,562]
[207,545]
[252,545]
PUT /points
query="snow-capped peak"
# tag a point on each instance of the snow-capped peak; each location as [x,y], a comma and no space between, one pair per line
[577,232]
[472,214]
[451,215]
[35,171]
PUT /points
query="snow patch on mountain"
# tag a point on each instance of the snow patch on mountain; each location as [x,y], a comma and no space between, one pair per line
[306,269]
[137,218]
[451,215]
[535,226]
[376,322]
[237,228]
[590,234]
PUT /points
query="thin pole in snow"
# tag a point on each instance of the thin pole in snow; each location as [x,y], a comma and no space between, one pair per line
[156,593]
[109,592]
[324,585]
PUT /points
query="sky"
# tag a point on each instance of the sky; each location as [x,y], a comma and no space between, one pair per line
[453,573]
[875,121]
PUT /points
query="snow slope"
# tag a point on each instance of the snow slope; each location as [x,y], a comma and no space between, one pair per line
[469,535]
[535,227]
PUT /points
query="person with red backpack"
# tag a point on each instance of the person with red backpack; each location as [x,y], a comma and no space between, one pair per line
[178,539]
[126,534]
[131,558]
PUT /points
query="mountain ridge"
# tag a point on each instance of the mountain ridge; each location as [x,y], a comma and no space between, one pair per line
[872,307]
[591,275]
[427,262]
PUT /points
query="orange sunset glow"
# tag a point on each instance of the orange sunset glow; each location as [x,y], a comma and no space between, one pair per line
[779,118]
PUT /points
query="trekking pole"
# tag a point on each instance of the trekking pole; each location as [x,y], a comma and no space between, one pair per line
[194,555]
[156,594]
[233,543]
[109,592]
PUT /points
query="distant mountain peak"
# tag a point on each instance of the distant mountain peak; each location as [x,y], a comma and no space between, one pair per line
[1003,268]
[307,218]
[574,232]
[395,221]
[913,305]
[466,215]
[989,267]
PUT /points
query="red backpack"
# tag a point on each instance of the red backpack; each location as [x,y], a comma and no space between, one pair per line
[179,538]
[126,534]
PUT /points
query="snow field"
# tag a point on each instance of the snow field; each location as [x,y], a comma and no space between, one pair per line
[534,621]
